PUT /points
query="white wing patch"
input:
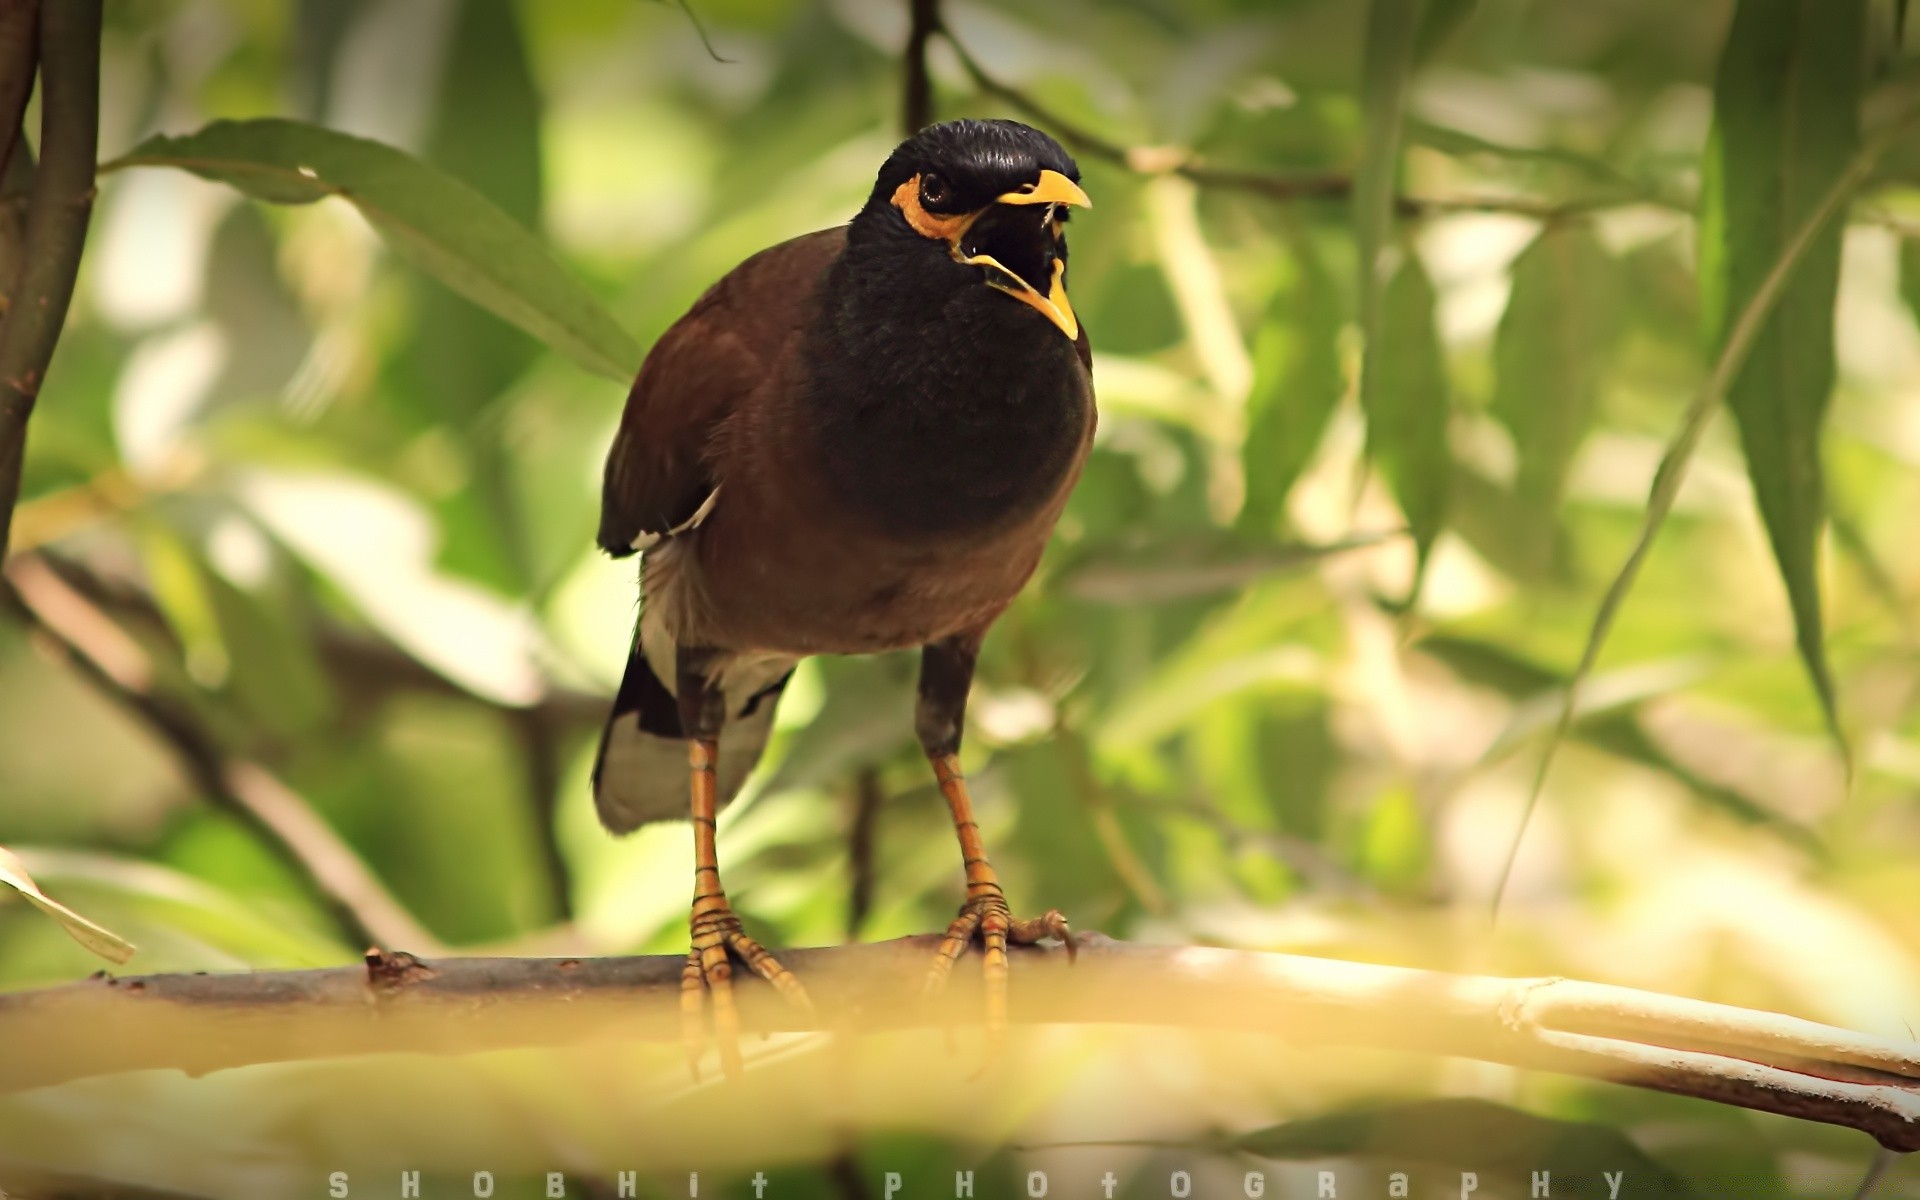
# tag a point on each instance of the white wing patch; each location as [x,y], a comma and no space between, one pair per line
[647,541]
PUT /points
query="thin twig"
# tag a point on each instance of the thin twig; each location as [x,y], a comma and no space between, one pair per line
[115,664]
[1274,185]
[862,837]
[68,38]
[541,737]
[18,58]
[916,106]
[397,1004]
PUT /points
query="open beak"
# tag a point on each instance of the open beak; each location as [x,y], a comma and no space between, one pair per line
[1052,188]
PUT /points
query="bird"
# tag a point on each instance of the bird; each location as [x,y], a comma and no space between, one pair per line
[856,441]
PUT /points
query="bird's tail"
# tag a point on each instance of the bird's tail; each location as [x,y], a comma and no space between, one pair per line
[640,773]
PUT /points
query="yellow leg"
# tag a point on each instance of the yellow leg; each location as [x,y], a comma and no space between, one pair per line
[985,913]
[716,932]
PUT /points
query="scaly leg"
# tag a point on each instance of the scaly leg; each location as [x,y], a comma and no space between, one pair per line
[715,927]
[946,672]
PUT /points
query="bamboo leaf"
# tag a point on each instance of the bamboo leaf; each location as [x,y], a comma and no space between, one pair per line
[104,942]
[1297,383]
[1910,275]
[1404,394]
[431,219]
[1672,471]
[1549,356]
[1787,122]
[1386,69]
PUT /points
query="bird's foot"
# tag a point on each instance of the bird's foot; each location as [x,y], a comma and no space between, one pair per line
[985,916]
[717,939]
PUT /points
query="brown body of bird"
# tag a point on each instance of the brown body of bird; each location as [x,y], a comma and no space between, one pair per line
[858,440]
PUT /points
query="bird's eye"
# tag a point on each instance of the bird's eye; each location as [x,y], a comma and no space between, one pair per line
[933,190]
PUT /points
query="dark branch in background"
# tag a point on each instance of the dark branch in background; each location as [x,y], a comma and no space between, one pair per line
[365,671]
[68,39]
[868,798]
[102,654]
[542,739]
[916,107]
[364,668]
[1274,185]
[398,1004]
[698,27]
[18,56]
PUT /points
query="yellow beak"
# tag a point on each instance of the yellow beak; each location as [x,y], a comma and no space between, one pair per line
[1053,188]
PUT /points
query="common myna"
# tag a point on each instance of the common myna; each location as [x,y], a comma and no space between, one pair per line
[855,441]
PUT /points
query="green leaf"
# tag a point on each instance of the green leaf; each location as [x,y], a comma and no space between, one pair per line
[1910,275]
[1478,1136]
[1615,728]
[1549,357]
[1437,23]
[1182,566]
[1741,337]
[1404,394]
[431,219]
[104,942]
[1786,127]
[1297,383]
[453,370]
[1386,68]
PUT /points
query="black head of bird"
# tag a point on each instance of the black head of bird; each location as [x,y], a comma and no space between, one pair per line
[981,201]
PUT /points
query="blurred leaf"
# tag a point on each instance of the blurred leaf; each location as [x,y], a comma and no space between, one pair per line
[1297,383]
[867,716]
[1787,125]
[104,942]
[1477,1136]
[1910,274]
[1460,143]
[1553,346]
[1180,567]
[198,918]
[376,546]
[1404,393]
[434,221]
[453,371]
[1740,338]
[1386,67]
[1609,719]
[1438,20]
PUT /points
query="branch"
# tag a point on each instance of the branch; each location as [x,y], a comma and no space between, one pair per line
[397,1003]
[862,835]
[1274,185]
[916,107]
[366,669]
[18,59]
[62,200]
[117,666]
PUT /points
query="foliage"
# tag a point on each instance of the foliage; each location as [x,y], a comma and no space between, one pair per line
[1389,370]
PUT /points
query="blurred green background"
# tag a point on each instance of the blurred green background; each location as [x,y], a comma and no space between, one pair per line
[345,516]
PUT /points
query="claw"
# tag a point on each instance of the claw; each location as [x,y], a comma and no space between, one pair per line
[717,936]
[717,941]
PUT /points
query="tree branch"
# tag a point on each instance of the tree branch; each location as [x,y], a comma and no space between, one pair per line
[118,666]
[18,58]
[397,1003]
[1274,185]
[916,106]
[62,200]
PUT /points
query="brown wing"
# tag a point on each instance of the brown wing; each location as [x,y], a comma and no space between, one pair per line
[705,365]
